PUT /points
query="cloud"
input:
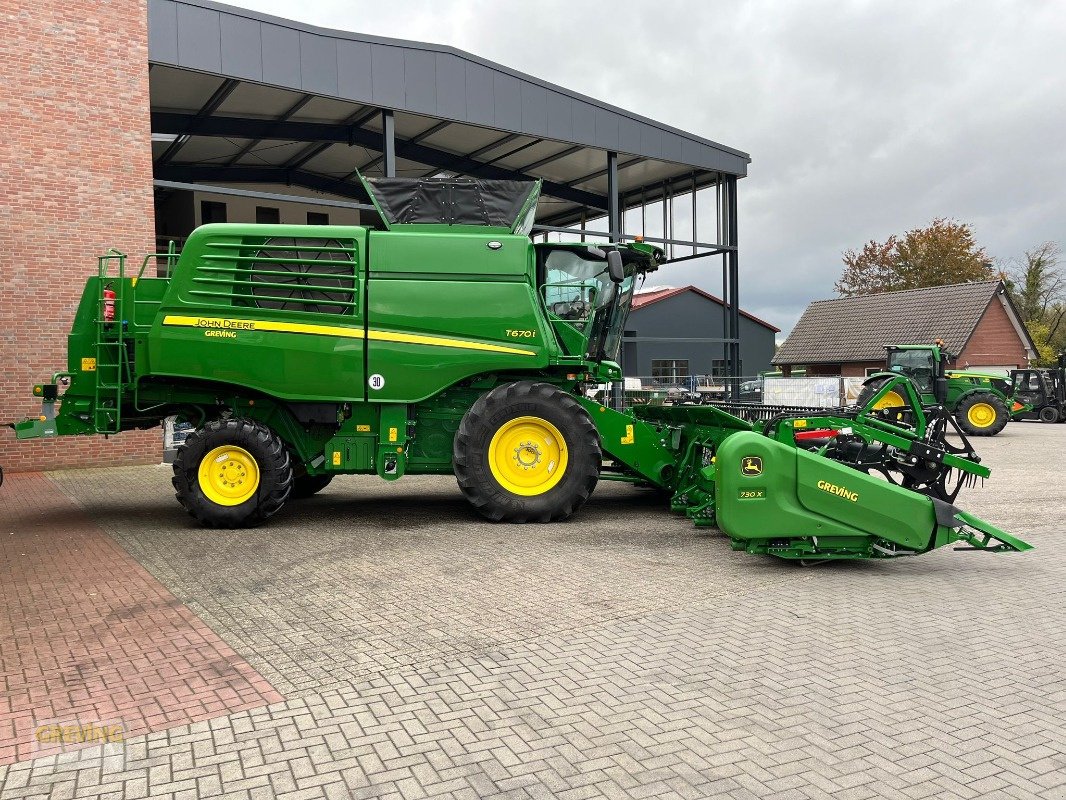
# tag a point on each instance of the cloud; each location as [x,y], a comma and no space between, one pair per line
[863,119]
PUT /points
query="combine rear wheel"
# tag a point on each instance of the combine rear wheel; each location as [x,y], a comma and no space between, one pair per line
[981,414]
[232,473]
[527,452]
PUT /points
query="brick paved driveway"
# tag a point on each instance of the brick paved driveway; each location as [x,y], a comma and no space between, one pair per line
[420,652]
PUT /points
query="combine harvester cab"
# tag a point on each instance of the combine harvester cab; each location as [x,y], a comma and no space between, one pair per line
[450,343]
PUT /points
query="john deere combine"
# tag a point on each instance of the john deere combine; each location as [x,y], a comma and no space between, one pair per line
[450,343]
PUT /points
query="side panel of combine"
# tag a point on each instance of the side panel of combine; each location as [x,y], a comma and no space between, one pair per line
[444,308]
[282,313]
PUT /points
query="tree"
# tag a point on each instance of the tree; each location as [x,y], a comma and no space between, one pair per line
[941,254]
[1037,285]
[1038,289]
[1041,335]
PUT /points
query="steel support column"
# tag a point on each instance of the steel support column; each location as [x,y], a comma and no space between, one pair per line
[666,221]
[694,213]
[614,227]
[732,295]
[388,143]
[614,223]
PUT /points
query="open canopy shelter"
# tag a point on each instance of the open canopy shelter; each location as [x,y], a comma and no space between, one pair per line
[247,103]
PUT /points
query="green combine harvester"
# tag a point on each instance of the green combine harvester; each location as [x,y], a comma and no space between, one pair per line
[450,343]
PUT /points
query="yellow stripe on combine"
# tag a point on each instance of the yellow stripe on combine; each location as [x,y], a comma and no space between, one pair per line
[437,341]
[231,324]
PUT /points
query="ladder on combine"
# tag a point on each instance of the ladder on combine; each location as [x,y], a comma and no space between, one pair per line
[112,357]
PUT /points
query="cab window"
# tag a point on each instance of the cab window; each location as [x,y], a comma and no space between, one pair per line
[918,365]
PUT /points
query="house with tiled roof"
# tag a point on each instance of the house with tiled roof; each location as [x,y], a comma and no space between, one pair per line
[667,335]
[976,321]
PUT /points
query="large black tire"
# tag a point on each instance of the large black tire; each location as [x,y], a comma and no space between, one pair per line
[305,486]
[503,411]
[973,410]
[1049,414]
[268,455]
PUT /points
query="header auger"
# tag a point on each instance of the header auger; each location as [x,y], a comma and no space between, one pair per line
[449,343]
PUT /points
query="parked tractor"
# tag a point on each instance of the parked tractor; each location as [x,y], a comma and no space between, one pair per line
[450,343]
[982,403]
[1042,391]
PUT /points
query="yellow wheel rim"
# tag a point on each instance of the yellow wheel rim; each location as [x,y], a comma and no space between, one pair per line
[527,456]
[228,475]
[890,400]
[981,415]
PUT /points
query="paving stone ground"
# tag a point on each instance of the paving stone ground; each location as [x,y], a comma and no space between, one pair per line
[421,652]
[93,637]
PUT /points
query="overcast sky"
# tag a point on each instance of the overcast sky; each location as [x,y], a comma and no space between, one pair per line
[862,119]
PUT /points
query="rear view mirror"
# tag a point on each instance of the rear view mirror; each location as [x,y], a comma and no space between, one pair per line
[614,266]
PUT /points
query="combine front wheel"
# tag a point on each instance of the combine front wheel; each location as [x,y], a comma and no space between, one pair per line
[981,414]
[527,452]
[232,473]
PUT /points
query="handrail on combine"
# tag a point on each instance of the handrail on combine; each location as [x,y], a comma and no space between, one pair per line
[103,262]
[171,255]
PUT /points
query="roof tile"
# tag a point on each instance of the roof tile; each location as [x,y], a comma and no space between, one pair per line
[858,328]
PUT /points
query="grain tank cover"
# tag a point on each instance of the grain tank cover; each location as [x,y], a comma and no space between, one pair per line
[508,205]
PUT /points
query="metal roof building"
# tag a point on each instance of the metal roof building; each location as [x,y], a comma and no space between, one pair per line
[246,100]
[665,332]
[226,80]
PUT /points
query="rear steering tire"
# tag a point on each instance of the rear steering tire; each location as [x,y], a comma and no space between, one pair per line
[526,452]
[233,473]
[982,414]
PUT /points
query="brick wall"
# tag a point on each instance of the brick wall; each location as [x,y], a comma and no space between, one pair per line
[75,161]
[822,370]
[995,341]
[858,369]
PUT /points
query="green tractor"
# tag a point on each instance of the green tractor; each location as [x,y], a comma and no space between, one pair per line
[981,403]
[449,343]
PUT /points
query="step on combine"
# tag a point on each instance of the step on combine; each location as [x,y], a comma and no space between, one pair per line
[449,343]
